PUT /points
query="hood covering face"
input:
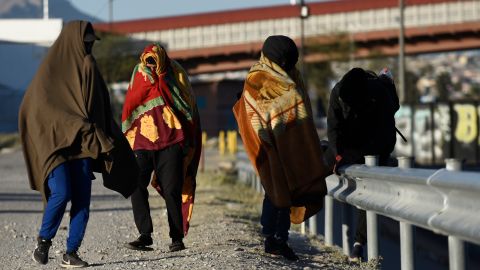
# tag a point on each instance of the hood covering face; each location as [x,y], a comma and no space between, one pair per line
[353,88]
[66,115]
[282,51]
[158,53]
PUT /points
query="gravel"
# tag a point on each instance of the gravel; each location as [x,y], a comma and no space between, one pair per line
[224,232]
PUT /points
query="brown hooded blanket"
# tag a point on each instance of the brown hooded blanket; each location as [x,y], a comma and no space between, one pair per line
[275,122]
[65,115]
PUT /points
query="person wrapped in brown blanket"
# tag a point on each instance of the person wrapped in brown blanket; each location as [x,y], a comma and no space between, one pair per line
[275,122]
[67,132]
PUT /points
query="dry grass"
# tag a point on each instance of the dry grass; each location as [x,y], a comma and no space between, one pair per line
[9,140]
[235,192]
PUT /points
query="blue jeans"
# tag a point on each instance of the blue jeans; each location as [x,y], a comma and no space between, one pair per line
[275,221]
[69,181]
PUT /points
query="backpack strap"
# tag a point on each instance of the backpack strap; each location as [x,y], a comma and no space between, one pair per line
[401,135]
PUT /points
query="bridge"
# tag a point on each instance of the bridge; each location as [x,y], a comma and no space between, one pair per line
[231,40]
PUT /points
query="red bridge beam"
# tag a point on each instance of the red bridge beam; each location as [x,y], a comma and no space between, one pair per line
[427,39]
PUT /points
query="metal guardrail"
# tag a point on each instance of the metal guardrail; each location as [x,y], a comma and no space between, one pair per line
[247,174]
[444,201]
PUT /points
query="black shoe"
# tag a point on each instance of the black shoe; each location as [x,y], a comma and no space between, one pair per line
[287,252]
[142,243]
[40,254]
[357,253]
[278,247]
[176,245]
[271,246]
[71,260]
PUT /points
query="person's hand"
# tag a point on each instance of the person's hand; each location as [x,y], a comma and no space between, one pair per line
[339,161]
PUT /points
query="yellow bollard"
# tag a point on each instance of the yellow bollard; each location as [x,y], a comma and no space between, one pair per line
[204,138]
[229,142]
[202,154]
[221,142]
[232,142]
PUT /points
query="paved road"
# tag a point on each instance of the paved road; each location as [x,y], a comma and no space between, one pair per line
[224,231]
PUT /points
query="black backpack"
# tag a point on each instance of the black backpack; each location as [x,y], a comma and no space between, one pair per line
[385,103]
[375,99]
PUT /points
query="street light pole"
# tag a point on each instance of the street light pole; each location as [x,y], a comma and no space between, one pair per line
[302,37]
[110,14]
[304,13]
[45,9]
[351,46]
[401,53]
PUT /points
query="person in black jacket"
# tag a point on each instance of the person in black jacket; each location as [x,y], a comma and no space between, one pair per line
[361,122]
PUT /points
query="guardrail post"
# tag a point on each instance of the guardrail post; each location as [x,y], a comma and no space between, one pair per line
[372,227]
[312,225]
[456,247]
[302,228]
[372,235]
[255,183]
[251,179]
[346,222]
[453,164]
[328,220]
[371,161]
[259,185]
[407,257]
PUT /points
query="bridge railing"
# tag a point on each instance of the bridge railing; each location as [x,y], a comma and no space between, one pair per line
[444,201]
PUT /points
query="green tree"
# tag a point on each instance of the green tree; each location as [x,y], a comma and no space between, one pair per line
[335,47]
[475,91]
[319,75]
[116,57]
[444,85]
[412,95]
[378,61]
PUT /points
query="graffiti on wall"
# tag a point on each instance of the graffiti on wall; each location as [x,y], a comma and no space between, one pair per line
[439,131]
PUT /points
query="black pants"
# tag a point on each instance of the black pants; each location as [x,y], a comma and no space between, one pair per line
[275,221]
[168,167]
[361,233]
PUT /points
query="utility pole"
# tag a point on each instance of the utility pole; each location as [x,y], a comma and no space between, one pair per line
[110,14]
[45,9]
[304,13]
[401,53]
[351,45]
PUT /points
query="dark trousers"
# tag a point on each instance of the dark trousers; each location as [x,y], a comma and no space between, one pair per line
[361,233]
[168,167]
[275,221]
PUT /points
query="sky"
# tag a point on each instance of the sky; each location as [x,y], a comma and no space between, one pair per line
[138,9]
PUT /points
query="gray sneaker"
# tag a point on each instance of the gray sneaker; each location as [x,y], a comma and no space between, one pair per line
[71,260]
[357,253]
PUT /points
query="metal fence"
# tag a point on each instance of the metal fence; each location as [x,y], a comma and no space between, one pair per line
[444,201]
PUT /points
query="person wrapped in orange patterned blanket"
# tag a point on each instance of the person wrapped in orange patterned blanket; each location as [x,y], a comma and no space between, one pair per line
[275,122]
